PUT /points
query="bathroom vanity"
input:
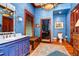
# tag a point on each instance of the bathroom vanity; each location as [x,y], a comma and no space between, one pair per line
[11,43]
[15,46]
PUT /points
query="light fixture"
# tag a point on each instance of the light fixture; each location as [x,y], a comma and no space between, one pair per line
[48,6]
[77,24]
[6,12]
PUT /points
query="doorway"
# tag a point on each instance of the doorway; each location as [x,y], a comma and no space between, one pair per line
[45,30]
[28,24]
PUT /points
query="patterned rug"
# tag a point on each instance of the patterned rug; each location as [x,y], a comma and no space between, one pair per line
[46,49]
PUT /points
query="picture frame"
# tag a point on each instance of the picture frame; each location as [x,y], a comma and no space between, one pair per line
[59,25]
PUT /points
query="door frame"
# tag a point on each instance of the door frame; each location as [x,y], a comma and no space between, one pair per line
[26,12]
[41,27]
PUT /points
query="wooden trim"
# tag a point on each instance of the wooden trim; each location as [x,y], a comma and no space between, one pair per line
[26,12]
[41,27]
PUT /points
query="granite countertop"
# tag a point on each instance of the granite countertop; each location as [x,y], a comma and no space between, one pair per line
[11,39]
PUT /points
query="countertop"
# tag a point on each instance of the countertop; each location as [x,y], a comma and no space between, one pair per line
[11,39]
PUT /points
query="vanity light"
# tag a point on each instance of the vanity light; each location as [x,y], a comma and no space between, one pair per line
[6,12]
[77,24]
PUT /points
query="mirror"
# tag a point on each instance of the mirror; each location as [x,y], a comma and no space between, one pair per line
[6,20]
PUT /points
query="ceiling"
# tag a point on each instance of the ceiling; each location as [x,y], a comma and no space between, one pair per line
[63,11]
[39,5]
[36,5]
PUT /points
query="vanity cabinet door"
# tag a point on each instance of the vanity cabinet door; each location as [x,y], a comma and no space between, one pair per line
[26,45]
[17,49]
[24,48]
[12,49]
[20,49]
[2,51]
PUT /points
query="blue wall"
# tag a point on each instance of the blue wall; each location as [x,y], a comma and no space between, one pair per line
[73,5]
[61,18]
[41,13]
[68,25]
[63,6]
[19,26]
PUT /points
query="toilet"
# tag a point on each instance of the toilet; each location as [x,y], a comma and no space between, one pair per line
[60,37]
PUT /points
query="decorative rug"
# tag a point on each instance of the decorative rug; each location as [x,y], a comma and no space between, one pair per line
[46,49]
